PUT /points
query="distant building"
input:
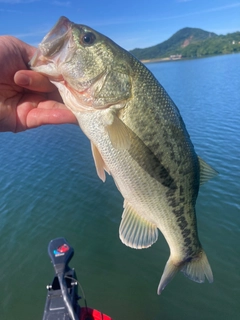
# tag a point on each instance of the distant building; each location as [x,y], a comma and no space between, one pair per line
[175,57]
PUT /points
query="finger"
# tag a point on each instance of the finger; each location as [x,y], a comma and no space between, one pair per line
[33,81]
[38,117]
[32,116]
[33,111]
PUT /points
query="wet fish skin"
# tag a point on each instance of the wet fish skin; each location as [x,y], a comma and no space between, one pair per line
[137,135]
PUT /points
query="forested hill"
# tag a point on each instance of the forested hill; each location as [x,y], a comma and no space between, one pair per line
[190,43]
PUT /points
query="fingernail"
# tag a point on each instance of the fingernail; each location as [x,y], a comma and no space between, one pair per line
[22,80]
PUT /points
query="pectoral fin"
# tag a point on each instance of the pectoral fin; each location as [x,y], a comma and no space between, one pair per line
[135,231]
[99,163]
[119,134]
[206,171]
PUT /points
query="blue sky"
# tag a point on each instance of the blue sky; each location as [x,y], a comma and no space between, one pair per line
[130,23]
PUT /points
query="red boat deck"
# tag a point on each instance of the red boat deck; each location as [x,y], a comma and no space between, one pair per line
[92,314]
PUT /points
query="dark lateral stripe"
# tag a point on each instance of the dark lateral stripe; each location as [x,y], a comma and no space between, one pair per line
[149,162]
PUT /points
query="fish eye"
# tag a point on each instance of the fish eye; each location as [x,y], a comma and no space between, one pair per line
[88,38]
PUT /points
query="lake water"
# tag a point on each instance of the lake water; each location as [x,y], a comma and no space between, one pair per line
[49,188]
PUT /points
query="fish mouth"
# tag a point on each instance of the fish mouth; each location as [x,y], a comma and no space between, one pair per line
[52,43]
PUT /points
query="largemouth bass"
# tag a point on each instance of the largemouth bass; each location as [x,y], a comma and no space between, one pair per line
[137,135]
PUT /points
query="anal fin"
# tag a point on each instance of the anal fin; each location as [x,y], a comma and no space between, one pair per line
[135,231]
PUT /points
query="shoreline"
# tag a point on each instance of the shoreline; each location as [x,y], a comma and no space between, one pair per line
[168,59]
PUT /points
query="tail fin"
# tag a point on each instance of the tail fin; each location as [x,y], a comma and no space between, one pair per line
[196,270]
[169,272]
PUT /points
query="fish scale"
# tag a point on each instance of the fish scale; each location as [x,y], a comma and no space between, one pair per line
[138,136]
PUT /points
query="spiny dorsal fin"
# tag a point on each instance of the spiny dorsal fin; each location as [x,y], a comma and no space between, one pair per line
[135,231]
[206,172]
[99,163]
[119,134]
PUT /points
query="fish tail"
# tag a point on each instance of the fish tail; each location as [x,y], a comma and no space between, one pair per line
[198,268]
[169,272]
[195,269]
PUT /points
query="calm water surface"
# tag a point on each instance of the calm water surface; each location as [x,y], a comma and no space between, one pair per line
[49,188]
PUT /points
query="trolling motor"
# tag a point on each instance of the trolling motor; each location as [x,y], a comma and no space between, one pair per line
[62,298]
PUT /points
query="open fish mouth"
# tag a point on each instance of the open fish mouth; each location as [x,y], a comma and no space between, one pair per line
[52,42]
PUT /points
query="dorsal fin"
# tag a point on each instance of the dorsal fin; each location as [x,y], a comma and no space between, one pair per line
[135,231]
[206,171]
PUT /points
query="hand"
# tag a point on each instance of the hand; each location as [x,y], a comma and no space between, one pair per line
[27,98]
